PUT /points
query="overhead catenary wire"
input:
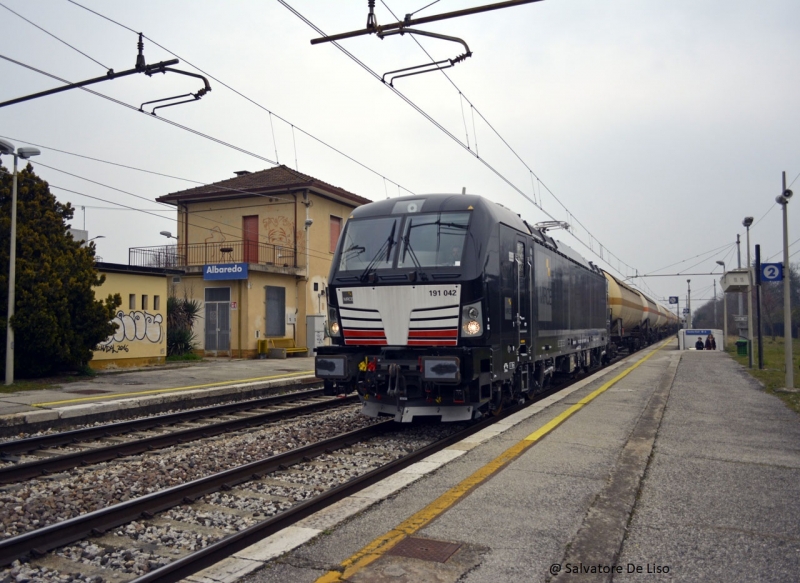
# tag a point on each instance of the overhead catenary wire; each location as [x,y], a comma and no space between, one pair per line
[442,128]
[252,101]
[219,186]
[170,207]
[316,253]
[149,116]
[413,105]
[55,37]
[727,245]
[514,152]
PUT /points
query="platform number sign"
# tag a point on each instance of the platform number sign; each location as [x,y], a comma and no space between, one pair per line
[686,311]
[772,271]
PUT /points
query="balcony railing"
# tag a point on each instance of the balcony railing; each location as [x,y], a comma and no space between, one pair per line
[172,256]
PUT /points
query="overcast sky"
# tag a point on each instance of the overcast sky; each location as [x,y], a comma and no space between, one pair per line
[660,125]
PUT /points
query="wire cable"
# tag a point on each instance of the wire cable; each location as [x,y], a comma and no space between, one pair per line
[242,95]
[215,185]
[443,129]
[136,109]
[510,148]
[320,254]
[55,37]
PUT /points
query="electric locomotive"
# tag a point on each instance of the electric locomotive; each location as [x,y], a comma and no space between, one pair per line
[449,307]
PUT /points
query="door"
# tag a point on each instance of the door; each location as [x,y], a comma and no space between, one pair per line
[250,237]
[218,319]
[276,311]
[523,293]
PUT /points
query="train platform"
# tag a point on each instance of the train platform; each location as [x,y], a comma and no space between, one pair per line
[669,465]
[116,395]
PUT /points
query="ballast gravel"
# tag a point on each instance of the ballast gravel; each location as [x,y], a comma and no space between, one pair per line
[139,547]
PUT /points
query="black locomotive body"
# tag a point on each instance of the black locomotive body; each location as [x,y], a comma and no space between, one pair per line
[450,306]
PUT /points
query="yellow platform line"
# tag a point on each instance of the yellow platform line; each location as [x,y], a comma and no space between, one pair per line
[157,391]
[378,547]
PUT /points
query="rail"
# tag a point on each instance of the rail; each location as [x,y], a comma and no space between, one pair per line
[185,255]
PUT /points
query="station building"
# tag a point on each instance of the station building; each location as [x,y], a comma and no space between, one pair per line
[255,252]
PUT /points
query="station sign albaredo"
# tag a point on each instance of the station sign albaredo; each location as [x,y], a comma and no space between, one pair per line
[224,271]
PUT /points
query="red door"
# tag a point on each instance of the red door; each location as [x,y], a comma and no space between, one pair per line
[250,236]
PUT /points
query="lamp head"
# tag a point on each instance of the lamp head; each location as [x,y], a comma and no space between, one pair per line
[26,153]
[722,263]
[784,197]
[6,147]
[309,222]
[746,222]
[167,234]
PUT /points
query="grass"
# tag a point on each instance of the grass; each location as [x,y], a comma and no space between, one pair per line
[773,375]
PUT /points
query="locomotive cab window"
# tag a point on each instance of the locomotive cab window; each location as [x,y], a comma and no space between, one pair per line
[434,240]
[369,243]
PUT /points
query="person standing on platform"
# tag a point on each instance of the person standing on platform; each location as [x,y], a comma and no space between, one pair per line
[711,340]
[699,344]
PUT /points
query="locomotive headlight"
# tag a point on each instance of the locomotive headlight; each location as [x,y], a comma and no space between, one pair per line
[472,328]
[333,322]
[471,320]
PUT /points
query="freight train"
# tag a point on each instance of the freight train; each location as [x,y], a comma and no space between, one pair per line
[450,307]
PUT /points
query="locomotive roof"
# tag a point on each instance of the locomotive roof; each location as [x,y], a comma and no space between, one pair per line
[432,203]
[442,203]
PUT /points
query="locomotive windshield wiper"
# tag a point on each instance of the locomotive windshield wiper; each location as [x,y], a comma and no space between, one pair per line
[407,248]
[387,245]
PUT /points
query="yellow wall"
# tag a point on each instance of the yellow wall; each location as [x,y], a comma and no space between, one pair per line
[141,336]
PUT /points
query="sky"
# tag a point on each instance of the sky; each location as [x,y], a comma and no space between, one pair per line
[652,128]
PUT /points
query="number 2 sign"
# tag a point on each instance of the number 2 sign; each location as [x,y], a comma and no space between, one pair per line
[772,271]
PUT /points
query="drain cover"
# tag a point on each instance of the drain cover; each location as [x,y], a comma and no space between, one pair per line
[87,392]
[425,549]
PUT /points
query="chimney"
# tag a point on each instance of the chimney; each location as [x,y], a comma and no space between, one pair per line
[241,172]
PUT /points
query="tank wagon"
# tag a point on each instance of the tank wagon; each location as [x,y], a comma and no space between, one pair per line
[634,319]
[451,306]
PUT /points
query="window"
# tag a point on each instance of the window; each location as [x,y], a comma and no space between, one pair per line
[336,229]
[434,240]
[156,302]
[218,294]
[144,301]
[132,302]
[369,242]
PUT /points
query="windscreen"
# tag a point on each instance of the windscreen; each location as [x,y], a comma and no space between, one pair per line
[433,240]
[369,242]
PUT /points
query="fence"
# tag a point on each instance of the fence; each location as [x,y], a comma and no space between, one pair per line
[171,256]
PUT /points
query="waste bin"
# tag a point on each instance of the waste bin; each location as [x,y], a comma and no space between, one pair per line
[741,347]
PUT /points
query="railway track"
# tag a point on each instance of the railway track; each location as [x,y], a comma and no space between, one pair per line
[170,533]
[197,523]
[98,444]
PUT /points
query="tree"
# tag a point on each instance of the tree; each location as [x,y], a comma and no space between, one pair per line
[181,316]
[57,320]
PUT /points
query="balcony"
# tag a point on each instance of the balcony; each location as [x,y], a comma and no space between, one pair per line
[273,258]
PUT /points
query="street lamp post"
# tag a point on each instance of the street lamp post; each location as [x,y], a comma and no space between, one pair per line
[24,153]
[783,200]
[724,307]
[689,304]
[747,222]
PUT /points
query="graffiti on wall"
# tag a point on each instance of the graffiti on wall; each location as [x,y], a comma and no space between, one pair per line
[280,231]
[137,325]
